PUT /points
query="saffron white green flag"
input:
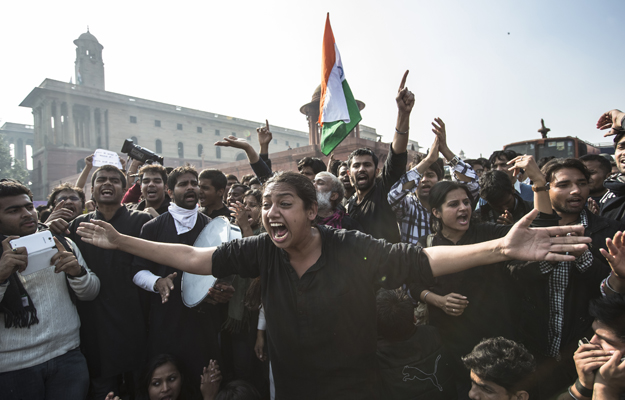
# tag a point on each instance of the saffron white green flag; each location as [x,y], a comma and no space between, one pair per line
[338,111]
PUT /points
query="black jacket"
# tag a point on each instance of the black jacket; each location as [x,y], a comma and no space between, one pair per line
[533,303]
[613,202]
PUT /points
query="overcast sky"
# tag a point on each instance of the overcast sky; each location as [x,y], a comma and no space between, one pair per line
[490,69]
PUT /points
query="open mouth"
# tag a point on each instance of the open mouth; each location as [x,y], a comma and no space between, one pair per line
[106,192]
[152,193]
[362,178]
[463,220]
[278,231]
[577,202]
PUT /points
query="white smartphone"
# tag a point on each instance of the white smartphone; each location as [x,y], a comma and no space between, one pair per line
[35,242]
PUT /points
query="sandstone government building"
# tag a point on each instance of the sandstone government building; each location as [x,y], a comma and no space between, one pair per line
[71,120]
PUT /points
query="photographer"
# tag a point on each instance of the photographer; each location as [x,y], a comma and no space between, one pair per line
[39,351]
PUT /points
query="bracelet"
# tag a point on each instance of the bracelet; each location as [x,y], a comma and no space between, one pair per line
[426,295]
[607,284]
[454,161]
[401,133]
[571,393]
[584,391]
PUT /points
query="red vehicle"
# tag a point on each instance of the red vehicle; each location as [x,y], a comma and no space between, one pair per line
[563,147]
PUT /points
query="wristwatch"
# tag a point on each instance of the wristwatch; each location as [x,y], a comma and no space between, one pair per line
[83,272]
[540,188]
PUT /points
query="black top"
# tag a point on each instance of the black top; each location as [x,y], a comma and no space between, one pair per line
[488,289]
[521,207]
[321,328]
[418,368]
[190,334]
[374,213]
[613,202]
[142,205]
[112,331]
[222,212]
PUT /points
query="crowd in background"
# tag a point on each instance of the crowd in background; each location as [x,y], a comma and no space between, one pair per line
[102,323]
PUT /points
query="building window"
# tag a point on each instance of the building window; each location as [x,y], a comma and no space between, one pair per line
[157,123]
[179,127]
[297,144]
[286,142]
[216,132]
[159,146]
[200,150]
[241,156]
[199,129]
[275,141]
[180,150]
[133,119]
[134,139]
[234,134]
[217,152]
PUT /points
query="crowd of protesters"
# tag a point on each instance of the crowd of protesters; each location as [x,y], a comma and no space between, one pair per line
[352,280]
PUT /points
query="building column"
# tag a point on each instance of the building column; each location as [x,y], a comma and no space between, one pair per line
[46,114]
[37,128]
[92,139]
[58,126]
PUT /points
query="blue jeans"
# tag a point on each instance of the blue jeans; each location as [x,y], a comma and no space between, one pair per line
[64,377]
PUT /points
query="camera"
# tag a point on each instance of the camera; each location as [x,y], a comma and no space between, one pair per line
[140,153]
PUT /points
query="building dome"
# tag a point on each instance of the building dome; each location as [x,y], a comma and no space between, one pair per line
[88,36]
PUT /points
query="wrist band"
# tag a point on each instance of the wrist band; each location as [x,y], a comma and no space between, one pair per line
[454,161]
[426,295]
[607,284]
[571,393]
[584,391]
[401,133]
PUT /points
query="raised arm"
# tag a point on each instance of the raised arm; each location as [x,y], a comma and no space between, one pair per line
[405,102]
[542,202]
[521,243]
[82,178]
[102,234]
[240,143]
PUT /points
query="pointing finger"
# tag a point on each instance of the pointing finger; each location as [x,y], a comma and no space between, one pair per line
[403,80]
[267,124]
[59,205]
[58,244]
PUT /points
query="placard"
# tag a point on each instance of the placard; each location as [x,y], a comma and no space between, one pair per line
[106,157]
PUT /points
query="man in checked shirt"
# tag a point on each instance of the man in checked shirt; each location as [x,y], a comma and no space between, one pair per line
[411,206]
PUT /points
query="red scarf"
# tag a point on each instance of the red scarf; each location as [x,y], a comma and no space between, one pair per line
[335,220]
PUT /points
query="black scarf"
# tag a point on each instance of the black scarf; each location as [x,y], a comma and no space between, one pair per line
[17,306]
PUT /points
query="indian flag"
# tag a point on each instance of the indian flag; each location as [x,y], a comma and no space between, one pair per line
[338,111]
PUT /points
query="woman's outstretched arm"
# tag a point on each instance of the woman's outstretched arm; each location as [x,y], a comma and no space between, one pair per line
[196,260]
[521,243]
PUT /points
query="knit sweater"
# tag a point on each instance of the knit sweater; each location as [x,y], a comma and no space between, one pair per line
[58,329]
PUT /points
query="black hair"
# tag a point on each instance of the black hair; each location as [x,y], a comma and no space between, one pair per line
[363,151]
[238,390]
[604,163]
[218,179]
[618,137]
[109,168]
[485,162]
[438,167]
[186,390]
[395,315]
[239,185]
[541,163]
[502,361]
[494,185]
[508,154]
[610,311]
[473,162]
[153,168]
[557,164]
[177,172]
[245,179]
[66,186]
[254,181]
[230,176]
[303,186]
[258,195]
[14,188]
[437,197]
[313,162]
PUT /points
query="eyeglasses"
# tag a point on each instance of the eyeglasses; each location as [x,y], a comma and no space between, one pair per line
[71,198]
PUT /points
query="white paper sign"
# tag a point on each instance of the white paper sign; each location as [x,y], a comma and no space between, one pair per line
[106,157]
